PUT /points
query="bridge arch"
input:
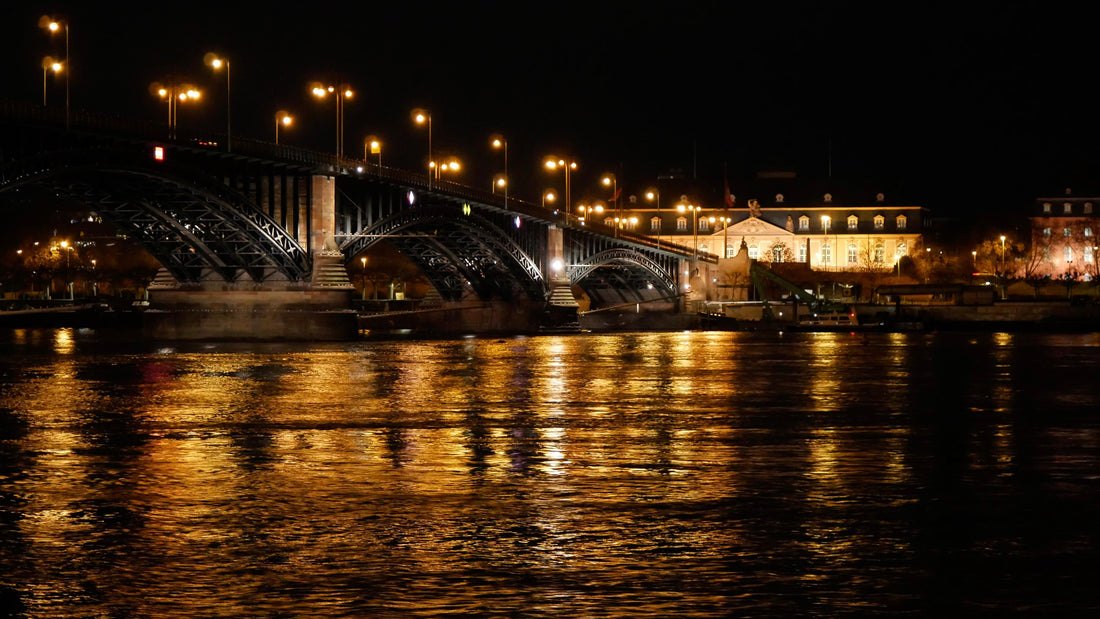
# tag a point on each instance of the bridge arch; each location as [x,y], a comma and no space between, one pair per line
[457,253]
[633,276]
[198,228]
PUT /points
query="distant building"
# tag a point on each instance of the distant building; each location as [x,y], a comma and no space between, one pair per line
[820,230]
[1063,237]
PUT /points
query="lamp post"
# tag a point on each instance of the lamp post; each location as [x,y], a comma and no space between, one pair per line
[282,118]
[421,117]
[501,143]
[216,63]
[609,180]
[53,26]
[174,95]
[548,196]
[654,195]
[48,64]
[373,145]
[554,163]
[827,256]
[342,94]
[1002,255]
[695,210]
[364,261]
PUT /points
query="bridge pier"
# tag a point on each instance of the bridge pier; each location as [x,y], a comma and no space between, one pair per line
[317,309]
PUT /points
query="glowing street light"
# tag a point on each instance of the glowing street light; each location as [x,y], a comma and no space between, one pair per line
[553,163]
[48,64]
[422,117]
[174,95]
[695,210]
[500,142]
[282,117]
[216,63]
[54,25]
[653,195]
[1002,254]
[342,94]
[373,145]
[548,196]
[609,180]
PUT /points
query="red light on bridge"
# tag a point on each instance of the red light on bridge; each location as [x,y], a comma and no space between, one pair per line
[158,153]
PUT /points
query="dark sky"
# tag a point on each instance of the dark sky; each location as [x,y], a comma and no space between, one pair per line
[960,108]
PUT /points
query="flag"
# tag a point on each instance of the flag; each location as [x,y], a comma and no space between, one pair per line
[729,198]
[617,192]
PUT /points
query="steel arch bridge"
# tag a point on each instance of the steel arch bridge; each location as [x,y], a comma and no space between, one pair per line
[270,216]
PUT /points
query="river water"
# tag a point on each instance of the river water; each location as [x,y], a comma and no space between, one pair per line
[592,475]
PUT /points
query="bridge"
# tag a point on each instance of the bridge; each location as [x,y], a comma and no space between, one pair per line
[267,226]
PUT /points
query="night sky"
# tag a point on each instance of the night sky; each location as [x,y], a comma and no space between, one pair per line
[973,109]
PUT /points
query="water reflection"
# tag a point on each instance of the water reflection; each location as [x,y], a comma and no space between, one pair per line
[678,474]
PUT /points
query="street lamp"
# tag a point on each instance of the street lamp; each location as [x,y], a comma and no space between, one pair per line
[548,196]
[500,181]
[364,261]
[501,143]
[342,94]
[654,195]
[553,163]
[174,95]
[283,118]
[695,210]
[48,64]
[421,117]
[374,146]
[53,26]
[1002,254]
[216,63]
[609,180]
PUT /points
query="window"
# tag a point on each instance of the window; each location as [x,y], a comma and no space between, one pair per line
[1088,208]
[1046,207]
[1066,232]
[802,252]
[1069,254]
[1046,232]
[1087,232]
[853,253]
[902,222]
[826,221]
[1067,208]
[731,251]
[704,225]
[804,224]
[1088,254]
[880,222]
[609,222]
[777,253]
[655,224]
[754,252]
[826,254]
[901,250]
[681,224]
[880,252]
[853,223]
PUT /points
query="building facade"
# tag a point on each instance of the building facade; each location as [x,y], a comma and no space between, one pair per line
[820,231]
[1063,238]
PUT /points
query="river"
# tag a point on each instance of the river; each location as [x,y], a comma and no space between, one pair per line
[693,474]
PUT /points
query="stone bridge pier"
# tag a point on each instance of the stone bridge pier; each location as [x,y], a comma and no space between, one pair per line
[315,309]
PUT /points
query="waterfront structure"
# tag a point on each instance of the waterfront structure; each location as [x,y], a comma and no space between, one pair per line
[826,232]
[1063,238]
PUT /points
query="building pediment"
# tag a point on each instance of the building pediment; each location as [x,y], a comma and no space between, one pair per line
[754,226]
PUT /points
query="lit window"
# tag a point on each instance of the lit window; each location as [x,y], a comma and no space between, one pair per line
[880,222]
[1046,232]
[1066,232]
[902,221]
[880,252]
[1069,254]
[1088,254]
[901,250]
[704,224]
[655,224]
[1088,208]
[1046,207]
[1087,231]
[853,222]
[804,224]
[1067,208]
[852,253]
[754,252]
[802,252]
[681,224]
[609,222]
[731,251]
[777,253]
[826,254]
